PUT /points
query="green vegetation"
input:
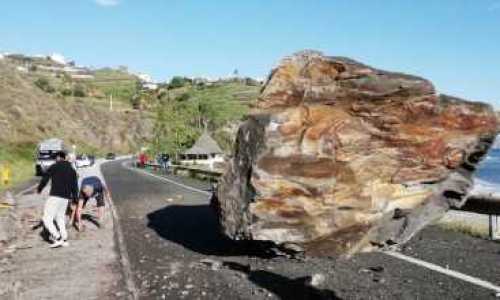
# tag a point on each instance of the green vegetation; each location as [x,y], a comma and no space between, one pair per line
[178,82]
[174,130]
[182,114]
[118,83]
[122,85]
[79,90]
[20,160]
[44,84]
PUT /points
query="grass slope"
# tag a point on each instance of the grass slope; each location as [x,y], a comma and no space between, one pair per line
[20,159]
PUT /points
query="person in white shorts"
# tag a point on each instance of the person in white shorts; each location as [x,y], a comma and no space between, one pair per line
[64,187]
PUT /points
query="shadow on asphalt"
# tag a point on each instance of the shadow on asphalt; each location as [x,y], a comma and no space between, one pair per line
[196,228]
[283,287]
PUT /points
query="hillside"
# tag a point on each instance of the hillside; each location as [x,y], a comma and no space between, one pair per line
[39,100]
[184,113]
[29,114]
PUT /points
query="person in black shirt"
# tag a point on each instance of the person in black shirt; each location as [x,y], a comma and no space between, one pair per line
[164,160]
[64,187]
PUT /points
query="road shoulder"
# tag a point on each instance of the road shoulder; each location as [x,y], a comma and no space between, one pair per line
[90,268]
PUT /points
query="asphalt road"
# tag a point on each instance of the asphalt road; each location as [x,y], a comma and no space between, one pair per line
[176,252]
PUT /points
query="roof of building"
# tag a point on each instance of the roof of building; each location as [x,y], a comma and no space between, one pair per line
[204,145]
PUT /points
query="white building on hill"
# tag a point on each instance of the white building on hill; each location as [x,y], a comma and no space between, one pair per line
[147,81]
[58,58]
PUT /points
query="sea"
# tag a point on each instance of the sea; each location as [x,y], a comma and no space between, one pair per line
[488,174]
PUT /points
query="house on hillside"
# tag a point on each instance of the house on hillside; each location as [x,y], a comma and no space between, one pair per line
[57,58]
[147,82]
[205,151]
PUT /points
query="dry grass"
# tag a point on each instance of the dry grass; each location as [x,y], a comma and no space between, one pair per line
[468,228]
[29,115]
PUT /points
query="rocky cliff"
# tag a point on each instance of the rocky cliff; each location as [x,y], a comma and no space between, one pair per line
[340,157]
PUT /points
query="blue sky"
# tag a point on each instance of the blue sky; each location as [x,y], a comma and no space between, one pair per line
[454,43]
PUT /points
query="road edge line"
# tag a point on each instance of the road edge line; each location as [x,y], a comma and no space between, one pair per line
[167,180]
[122,247]
[455,274]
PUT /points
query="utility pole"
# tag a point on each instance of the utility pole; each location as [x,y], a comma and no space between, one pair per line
[111,102]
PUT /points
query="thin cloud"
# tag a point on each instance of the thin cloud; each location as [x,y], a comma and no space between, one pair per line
[107,2]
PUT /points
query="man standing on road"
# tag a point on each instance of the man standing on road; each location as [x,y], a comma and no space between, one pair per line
[165,161]
[91,187]
[64,186]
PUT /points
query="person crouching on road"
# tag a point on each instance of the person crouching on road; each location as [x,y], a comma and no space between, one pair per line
[64,187]
[91,187]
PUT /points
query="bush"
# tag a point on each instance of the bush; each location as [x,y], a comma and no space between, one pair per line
[44,85]
[75,91]
[136,101]
[79,91]
[183,97]
[178,82]
[67,92]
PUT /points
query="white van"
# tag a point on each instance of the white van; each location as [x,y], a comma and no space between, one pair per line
[46,154]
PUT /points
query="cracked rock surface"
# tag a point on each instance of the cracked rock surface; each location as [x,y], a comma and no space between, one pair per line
[339,157]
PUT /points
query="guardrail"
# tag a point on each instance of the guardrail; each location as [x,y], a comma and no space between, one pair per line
[211,175]
[486,204]
[203,174]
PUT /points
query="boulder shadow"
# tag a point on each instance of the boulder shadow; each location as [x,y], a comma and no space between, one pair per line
[283,287]
[197,229]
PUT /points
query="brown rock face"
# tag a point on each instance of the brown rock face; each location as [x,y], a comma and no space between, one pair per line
[340,157]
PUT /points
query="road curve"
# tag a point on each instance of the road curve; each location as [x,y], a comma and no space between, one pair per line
[176,252]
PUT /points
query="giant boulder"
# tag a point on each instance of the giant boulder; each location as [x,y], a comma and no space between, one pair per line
[339,157]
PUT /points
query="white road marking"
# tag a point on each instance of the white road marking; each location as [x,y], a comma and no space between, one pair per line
[167,180]
[451,273]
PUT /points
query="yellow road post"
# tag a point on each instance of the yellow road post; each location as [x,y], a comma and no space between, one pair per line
[5,174]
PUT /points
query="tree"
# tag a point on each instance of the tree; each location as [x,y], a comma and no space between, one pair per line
[177,82]
[174,130]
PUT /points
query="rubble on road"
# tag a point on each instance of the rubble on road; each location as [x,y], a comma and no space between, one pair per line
[8,220]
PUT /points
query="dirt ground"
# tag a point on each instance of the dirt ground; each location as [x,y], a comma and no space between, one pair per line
[88,269]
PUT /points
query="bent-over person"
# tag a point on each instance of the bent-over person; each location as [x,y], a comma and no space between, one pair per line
[92,187]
